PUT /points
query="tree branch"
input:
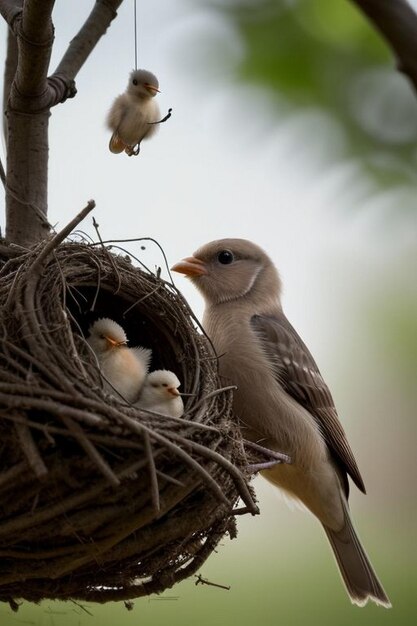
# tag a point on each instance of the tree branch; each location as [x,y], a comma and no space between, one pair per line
[33,29]
[31,95]
[397,22]
[62,81]
[35,39]
[9,9]
[81,46]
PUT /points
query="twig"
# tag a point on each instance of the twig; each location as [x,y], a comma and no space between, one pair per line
[30,450]
[254,468]
[80,606]
[204,581]
[91,451]
[152,474]
[212,394]
[222,461]
[11,474]
[142,299]
[59,237]
[396,20]
[279,456]
[111,259]
[61,507]
[136,240]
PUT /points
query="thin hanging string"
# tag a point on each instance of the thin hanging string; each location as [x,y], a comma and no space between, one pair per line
[136,34]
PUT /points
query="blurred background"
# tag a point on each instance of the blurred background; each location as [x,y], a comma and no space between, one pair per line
[292,128]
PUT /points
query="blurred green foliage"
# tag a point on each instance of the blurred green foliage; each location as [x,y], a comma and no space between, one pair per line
[393,319]
[324,53]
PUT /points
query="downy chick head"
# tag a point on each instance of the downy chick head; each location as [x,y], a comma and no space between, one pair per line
[143,84]
[232,269]
[163,385]
[106,335]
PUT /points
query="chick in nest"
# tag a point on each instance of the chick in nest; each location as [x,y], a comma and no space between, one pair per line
[160,394]
[124,369]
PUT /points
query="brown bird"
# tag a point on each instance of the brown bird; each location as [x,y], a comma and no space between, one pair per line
[133,114]
[281,399]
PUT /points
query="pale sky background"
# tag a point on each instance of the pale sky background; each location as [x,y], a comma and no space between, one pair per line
[225,166]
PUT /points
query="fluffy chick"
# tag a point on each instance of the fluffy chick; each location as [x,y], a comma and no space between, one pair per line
[124,369]
[160,394]
[133,114]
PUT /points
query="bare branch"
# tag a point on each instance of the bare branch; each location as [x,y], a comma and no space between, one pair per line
[59,237]
[32,26]
[96,25]
[30,96]
[397,22]
[204,581]
[10,9]
[35,37]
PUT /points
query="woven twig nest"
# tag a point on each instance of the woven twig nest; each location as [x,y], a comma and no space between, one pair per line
[100,500]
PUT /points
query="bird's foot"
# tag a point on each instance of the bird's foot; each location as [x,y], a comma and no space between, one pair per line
[133,150]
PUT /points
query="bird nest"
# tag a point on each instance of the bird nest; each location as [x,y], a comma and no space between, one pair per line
[101,500]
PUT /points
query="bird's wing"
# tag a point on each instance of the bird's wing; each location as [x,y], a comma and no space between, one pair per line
[298,374]
[153,118]
[144,355]
[114,119]
[117,112]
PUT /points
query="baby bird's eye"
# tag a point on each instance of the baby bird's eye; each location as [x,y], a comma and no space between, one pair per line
[165,384]
[225,257]
[134,81]
[102,337]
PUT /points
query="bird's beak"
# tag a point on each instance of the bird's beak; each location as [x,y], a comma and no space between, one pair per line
[115,343]
[191,266]
[152,88]
[173,391]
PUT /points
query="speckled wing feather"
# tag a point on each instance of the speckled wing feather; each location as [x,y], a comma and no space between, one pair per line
[299,375]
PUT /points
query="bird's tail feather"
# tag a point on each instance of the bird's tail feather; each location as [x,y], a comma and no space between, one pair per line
[116,145]
[355,568]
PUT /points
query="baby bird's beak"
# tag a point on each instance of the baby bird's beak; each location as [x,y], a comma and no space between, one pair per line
[152,89]
[114,343]
[173,391]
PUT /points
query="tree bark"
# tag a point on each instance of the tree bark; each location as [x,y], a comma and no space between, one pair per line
[396,20]
[9,74]
[27,123]
[30,96]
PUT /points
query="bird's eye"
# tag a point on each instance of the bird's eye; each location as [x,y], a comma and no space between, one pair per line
[225,257]
[134,81]
[164,385]
[102,337]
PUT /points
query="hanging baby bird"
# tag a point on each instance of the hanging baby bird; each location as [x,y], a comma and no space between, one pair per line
[134,114]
